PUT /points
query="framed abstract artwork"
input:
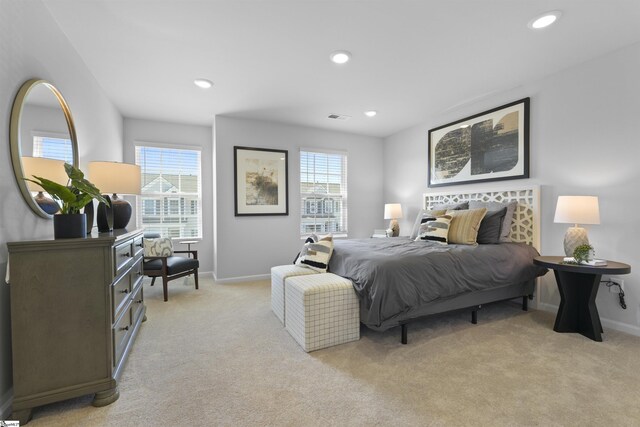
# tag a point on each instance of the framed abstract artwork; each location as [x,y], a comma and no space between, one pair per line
[261,181]
[489,146]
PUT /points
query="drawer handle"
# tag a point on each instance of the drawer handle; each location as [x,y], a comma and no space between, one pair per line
[126,328]
[124,291]
[139,245]
[126,255]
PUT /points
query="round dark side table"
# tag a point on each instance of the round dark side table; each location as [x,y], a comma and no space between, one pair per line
[578,286]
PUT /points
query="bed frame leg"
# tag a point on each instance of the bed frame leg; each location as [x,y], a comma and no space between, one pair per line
[525,303]
[474,316]
[404,333]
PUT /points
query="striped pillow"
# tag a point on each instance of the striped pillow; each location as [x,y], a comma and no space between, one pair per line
[316,254]
[436,230]
[464,226]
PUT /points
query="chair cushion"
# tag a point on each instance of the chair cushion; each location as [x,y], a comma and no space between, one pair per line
[158,247]
[175,264]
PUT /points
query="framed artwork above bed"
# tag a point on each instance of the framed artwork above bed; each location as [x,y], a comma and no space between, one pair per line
[489,146]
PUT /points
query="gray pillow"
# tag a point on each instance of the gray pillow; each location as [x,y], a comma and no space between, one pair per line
[491,226]
[450,206]
[496,206]
[423,216]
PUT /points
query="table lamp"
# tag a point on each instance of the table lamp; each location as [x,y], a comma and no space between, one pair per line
[115,178]
[576,210]
[393,211]
[50,169]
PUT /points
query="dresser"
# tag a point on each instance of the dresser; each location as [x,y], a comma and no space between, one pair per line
[76,308]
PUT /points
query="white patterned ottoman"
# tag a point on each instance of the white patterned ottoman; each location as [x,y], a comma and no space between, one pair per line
[322,310]
[278,276]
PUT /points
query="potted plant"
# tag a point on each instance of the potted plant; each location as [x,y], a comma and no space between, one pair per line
[78,192]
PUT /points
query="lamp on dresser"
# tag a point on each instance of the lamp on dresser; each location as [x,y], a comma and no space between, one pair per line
[50,169]
[115,178]
[393,211]
[576,210]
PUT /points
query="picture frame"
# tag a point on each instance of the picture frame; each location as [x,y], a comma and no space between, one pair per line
[261,179]
[488,146]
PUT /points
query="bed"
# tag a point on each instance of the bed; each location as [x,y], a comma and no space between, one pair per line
[399,280]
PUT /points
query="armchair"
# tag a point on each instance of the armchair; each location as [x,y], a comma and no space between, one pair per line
[159,261]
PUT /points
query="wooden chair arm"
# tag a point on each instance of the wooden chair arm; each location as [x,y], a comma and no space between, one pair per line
[192,252]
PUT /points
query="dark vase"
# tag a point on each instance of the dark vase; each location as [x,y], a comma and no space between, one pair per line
[69,226]
[104,216]
[89,211]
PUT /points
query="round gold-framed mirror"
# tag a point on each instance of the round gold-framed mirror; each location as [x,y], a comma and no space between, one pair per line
[43,138]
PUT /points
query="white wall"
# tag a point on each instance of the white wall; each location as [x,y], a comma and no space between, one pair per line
[584,141]
[141,131]
[32,46]
[249,246]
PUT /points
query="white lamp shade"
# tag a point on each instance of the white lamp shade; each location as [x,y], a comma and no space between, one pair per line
[392,211]
[577,210]
[50,169]
[115,178]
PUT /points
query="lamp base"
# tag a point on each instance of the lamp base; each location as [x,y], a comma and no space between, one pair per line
[46,204]
[121,212]
[574,237]
[395,228]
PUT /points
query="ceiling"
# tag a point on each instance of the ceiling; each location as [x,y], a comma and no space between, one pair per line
[269,59]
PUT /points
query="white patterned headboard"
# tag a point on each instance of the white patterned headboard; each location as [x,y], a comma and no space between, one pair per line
[526,219]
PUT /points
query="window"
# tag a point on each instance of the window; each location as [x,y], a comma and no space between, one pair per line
[171,181]
[52,146]
[323,192]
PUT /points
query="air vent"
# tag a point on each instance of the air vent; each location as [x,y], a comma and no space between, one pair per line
[339,117]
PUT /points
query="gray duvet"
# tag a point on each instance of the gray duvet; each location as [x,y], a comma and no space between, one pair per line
[394,276]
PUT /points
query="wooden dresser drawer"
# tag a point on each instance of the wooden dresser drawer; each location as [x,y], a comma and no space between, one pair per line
[137,304]
[120,291]
[121,331]
[123,254]
[138,247]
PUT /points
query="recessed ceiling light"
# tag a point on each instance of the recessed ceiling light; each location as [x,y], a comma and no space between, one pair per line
[544,20]
[370,113]
[203,83]
[340,56]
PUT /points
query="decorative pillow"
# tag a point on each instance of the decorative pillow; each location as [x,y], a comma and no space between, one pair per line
[464,226]
[424,216]
[490,227]
[450,206]
[496,206]
[158,247]
[435,230]
[311,239]
[316,255]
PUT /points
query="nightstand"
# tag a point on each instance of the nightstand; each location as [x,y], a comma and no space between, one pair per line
[578,287]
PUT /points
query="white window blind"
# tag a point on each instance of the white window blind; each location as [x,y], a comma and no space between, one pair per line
[323,192]
[171,198]
[52,147]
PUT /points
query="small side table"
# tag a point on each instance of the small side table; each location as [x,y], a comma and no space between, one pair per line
[189,243]
[578,286]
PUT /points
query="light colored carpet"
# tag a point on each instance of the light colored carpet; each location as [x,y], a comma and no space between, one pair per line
[218,356]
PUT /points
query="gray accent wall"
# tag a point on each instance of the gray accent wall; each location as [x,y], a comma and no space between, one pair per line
[138,131]
[250,246]
[584,141]
[33,46]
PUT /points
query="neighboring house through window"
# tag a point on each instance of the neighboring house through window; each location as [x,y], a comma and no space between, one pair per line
[171,198]
[323,192]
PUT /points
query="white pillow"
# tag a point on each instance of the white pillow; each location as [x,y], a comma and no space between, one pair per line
[316,255]
[158,247]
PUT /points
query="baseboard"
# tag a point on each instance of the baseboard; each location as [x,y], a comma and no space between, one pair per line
[242,278]
[205,273]
[5,404]
[607,323]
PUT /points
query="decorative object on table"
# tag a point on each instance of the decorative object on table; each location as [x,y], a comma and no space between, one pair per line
[51,169]
[576,210]
[489,146]
[70,223]
[27,139]
[261,181]
[115,178]
[584,255]
[393,211]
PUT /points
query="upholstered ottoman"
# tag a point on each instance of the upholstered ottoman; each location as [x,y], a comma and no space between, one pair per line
[278,276]
[322,310]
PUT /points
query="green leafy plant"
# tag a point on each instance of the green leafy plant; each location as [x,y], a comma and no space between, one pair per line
[581,253]
[75,195]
